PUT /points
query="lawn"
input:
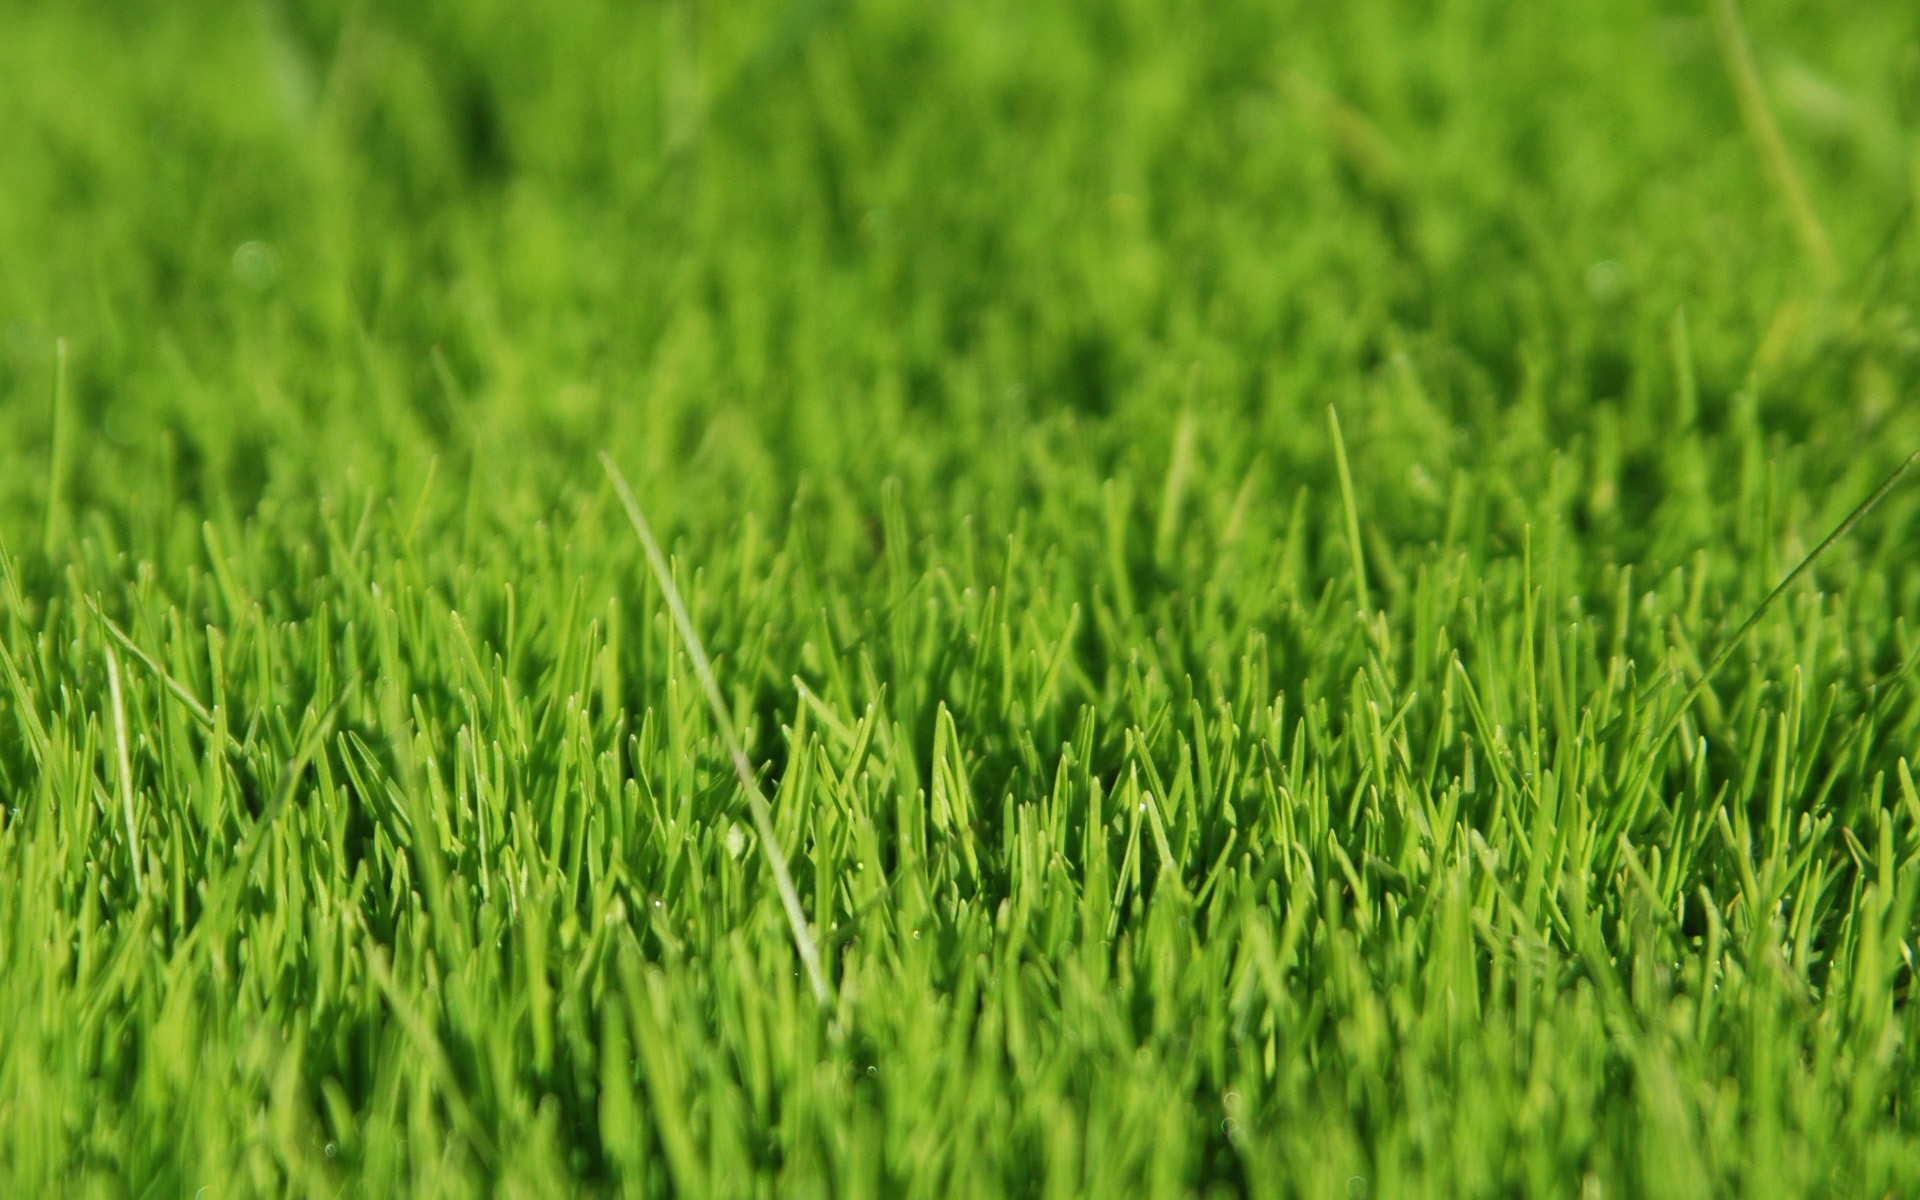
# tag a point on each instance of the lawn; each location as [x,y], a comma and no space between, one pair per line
[1033,598]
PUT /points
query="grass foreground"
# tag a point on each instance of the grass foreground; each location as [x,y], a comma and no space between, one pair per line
[1224,533]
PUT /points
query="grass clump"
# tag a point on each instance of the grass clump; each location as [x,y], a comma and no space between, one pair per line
[1224,536]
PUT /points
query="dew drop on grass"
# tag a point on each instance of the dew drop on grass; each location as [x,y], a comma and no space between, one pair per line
[1356,1188]
[873,1072]
[736,841]
[1606,281]
[332,1151]
[256,264]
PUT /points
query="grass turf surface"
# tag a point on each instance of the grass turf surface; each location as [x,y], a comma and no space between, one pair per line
[1187,796]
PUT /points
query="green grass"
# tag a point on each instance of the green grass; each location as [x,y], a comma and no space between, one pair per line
[1211,522]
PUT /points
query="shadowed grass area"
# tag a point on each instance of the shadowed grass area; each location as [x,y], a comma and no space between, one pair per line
[1211,523]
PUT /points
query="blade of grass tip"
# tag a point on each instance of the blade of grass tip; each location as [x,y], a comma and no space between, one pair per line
[57,447]
[703,669]
[1732,36]
[1353,510]
[255,837]
[1780,589]
[296,767]
[214,916]
[420,505]
[124,762]
[173,685]
[881,616]
[14,600]
[1179,475]
[851,927]
[36,729]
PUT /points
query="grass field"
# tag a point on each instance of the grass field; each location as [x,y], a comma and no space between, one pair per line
[1223,531]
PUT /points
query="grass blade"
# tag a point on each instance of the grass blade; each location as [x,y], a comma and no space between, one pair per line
[742,769]
[1780,589]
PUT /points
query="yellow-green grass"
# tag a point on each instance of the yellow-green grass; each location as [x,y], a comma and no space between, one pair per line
[1224,532]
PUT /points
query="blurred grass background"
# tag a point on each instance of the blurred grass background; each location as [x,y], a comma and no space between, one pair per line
[859,240]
